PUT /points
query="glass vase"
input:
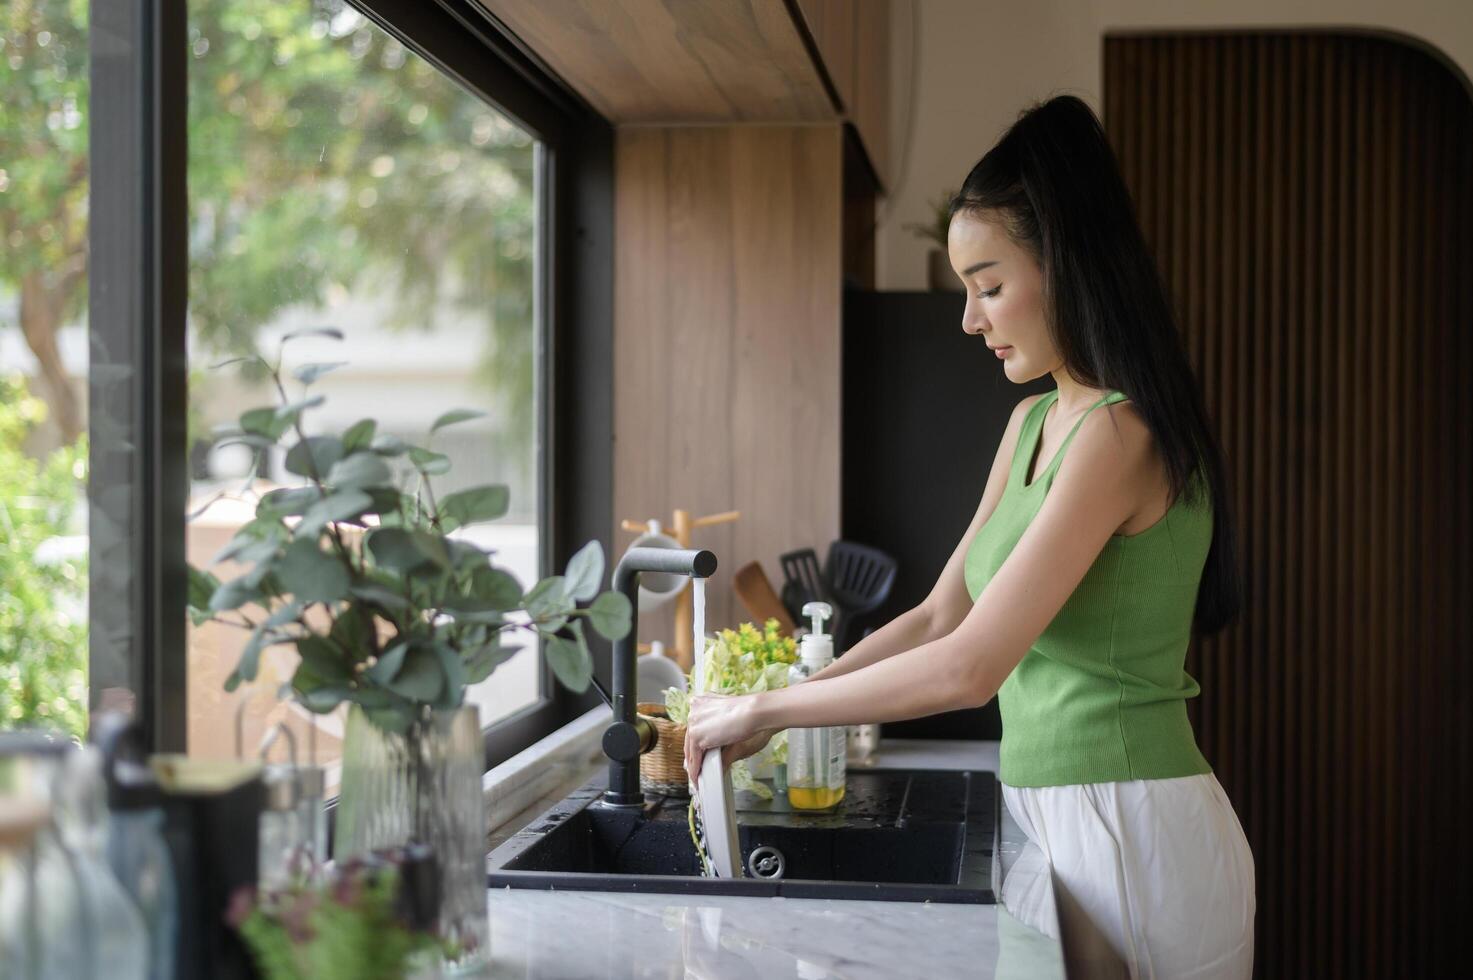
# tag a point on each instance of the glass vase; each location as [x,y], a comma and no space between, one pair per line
[424,786]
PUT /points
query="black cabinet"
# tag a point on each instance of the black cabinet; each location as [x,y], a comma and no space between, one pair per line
[924,407]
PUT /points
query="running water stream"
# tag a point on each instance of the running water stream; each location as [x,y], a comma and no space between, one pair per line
[698,603]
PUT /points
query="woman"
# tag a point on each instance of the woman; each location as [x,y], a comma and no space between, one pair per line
[1101,542]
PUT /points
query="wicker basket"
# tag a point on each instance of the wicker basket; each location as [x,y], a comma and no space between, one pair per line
[662,768]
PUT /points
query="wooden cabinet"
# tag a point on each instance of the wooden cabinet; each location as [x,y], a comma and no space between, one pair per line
[650,62]
[834,24]
[727,258]
[852,39]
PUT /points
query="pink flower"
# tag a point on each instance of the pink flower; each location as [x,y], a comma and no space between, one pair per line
[242,904]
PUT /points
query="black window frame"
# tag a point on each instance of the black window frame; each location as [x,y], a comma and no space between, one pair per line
[138,237]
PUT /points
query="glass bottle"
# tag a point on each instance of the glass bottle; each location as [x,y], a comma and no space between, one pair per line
[136,849]
[140,859]
[280,838]
[312,815]
[119,942]
[21,949]
[293,828]
[30,767]
[863,741]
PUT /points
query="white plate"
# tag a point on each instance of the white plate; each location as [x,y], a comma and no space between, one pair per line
[718,817]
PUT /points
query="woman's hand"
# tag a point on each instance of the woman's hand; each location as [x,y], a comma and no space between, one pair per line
[721,721]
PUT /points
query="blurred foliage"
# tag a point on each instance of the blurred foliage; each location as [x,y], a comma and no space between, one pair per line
[350,927]
[938,227]
[43,612]
[43,137]
[324,157]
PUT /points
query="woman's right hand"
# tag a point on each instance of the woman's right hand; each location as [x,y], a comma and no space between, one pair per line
[747,746]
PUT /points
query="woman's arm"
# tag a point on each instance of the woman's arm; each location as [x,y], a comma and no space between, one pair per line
[1098,488]
[946,606]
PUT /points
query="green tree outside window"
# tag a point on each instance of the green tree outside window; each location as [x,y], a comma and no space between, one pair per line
[43,613]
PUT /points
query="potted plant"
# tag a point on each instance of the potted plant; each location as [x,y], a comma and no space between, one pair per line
[359,569]
[939,274]
[363,924]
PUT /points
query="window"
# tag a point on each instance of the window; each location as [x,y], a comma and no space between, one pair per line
[337,178]
[394,169]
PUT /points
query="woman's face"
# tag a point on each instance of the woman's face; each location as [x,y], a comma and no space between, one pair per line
[1004,296]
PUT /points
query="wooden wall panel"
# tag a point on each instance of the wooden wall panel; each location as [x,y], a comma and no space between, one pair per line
[691,61]
[1309,198]
[726,340]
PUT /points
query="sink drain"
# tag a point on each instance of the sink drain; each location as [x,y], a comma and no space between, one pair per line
[766,862]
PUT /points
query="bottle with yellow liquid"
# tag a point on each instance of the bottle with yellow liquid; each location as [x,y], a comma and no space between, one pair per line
[815,755]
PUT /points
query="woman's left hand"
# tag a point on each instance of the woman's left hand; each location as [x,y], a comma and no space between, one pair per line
[718,720]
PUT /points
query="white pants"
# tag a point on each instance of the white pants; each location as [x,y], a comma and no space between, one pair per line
[1152,877]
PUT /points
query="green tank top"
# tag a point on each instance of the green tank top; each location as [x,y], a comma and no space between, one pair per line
[1101,695]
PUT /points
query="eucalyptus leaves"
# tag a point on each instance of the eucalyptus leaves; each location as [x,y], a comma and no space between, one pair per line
[357,569]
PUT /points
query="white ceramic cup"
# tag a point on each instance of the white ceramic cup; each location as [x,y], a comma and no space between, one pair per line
[658,588]
[653,673]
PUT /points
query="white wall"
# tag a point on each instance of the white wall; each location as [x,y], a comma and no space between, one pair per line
[979,62]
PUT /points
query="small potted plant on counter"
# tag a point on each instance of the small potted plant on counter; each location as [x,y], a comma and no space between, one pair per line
[939,274]
[368,922]
[360,569]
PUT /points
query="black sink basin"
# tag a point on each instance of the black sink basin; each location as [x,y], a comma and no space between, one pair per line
[896,836]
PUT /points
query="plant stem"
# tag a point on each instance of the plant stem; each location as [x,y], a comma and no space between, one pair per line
[316,477]
[424,479]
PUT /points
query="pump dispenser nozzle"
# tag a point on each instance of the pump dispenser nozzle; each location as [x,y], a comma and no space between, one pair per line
[817,612]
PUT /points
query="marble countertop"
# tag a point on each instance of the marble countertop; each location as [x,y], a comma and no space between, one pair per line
[568,935]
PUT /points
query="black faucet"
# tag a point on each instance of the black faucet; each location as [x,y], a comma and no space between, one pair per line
[629,737]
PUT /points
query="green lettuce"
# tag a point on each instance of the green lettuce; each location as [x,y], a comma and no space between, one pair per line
[745,660]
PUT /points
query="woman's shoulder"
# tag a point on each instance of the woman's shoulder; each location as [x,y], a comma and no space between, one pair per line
[1014,428]
[1117,437]
[1028,401]
[1013,431]
[1025,404]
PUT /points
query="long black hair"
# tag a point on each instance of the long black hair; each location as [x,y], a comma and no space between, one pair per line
[1054,184]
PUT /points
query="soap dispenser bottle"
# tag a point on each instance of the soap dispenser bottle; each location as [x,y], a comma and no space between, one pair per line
[815,755]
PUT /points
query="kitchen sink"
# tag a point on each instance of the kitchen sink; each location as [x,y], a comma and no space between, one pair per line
[905,836]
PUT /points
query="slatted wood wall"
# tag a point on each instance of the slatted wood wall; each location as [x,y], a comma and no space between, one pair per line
[1309,198]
